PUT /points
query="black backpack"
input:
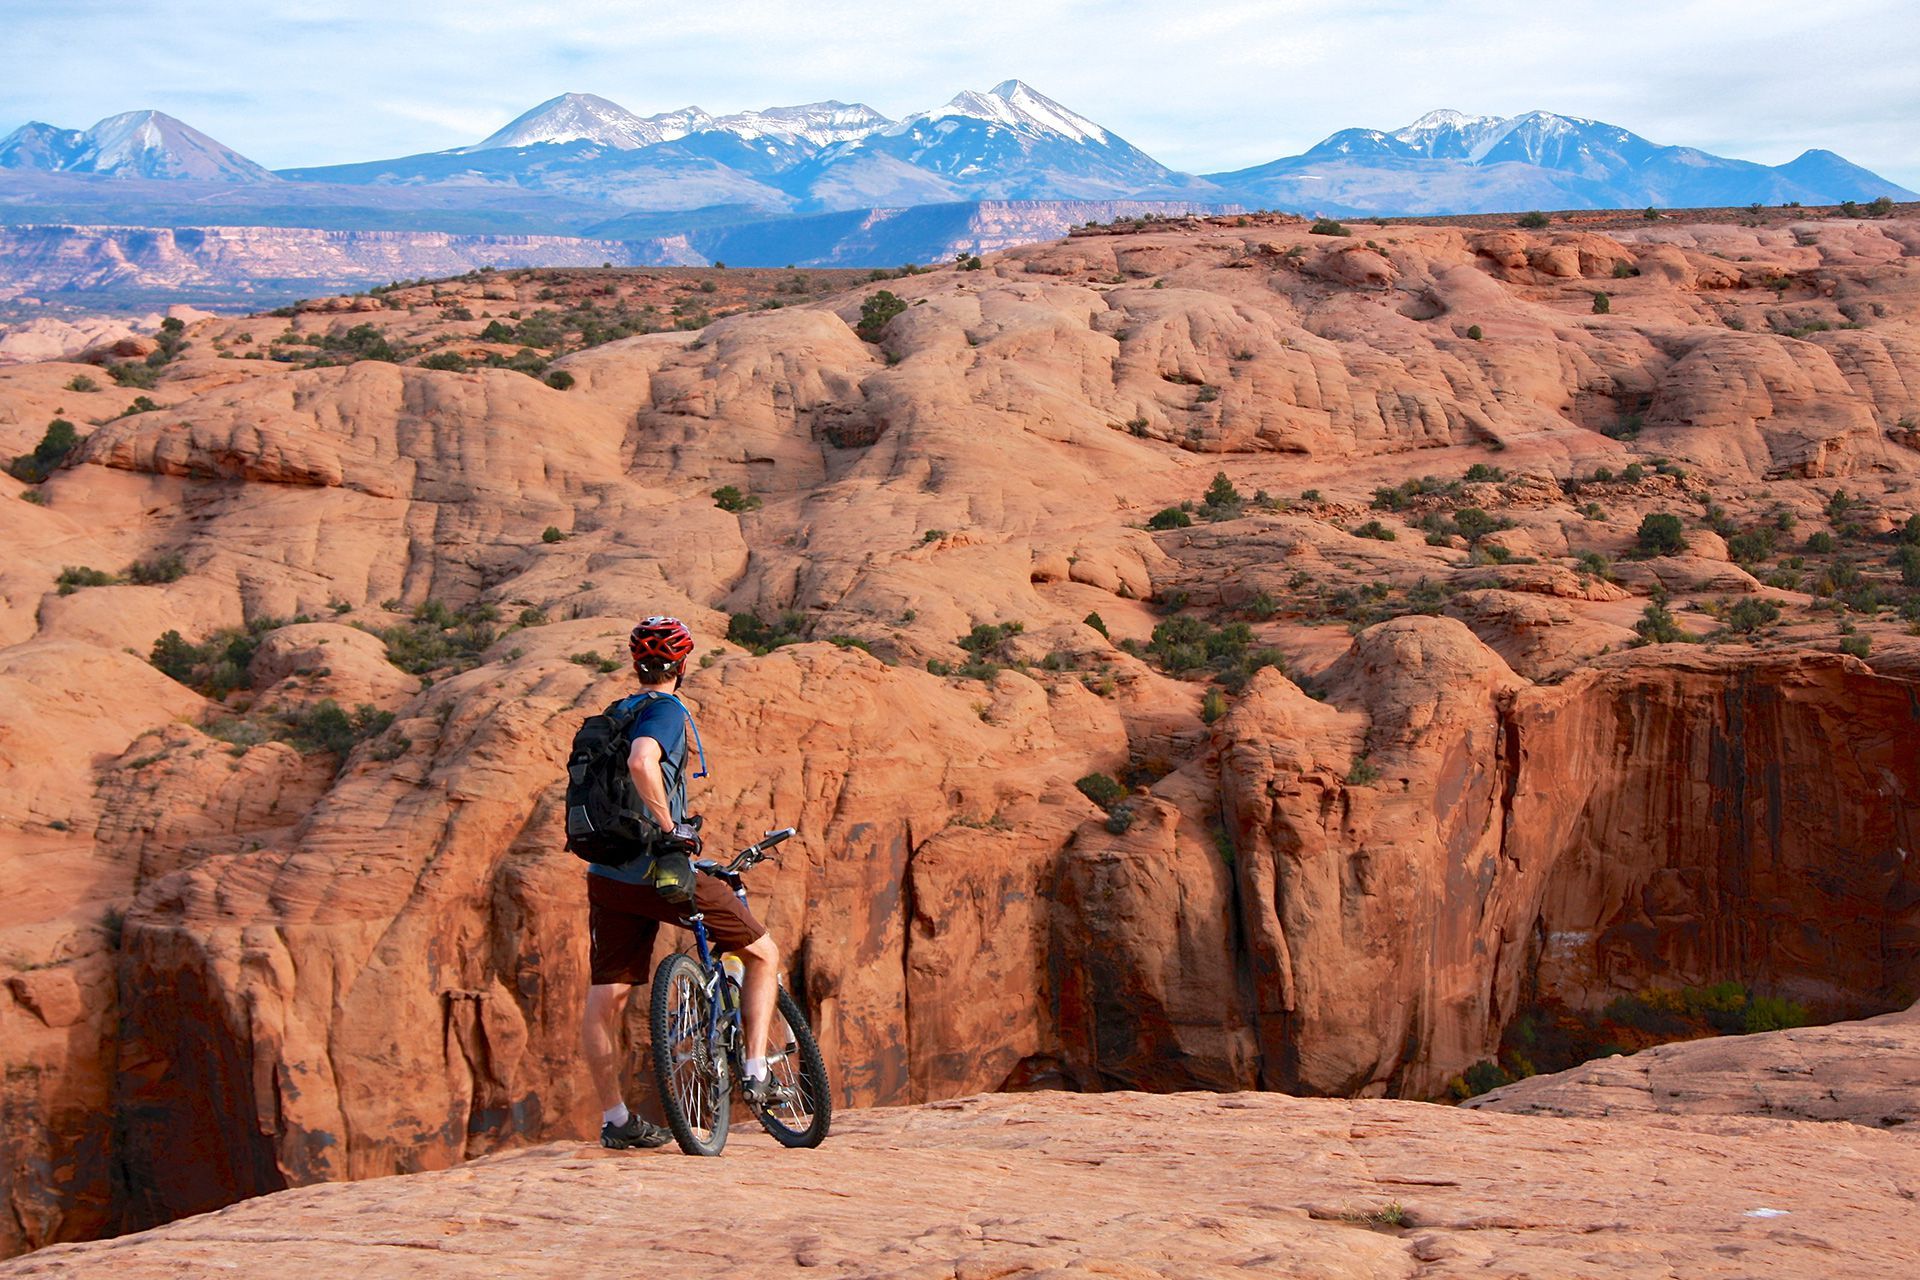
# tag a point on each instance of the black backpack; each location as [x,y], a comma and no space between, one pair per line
[606,822]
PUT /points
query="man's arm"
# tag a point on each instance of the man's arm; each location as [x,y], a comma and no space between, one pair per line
[643,763]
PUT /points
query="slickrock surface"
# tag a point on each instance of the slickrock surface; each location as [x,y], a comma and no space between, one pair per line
[239,954]
[1867,1073]
[1125,1185]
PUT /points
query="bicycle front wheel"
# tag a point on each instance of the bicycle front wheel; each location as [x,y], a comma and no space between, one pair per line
[695,1092]
[802,1107]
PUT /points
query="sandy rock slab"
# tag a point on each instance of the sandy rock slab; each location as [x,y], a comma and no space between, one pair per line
[1867,1073]
[1124,1185]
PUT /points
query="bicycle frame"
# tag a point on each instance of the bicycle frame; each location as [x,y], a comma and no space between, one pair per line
[729,1034]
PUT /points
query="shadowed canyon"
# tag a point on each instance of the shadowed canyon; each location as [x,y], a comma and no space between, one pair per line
[1217,655]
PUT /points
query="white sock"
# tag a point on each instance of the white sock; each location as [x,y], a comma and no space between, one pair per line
[757,1068]
[617,1116]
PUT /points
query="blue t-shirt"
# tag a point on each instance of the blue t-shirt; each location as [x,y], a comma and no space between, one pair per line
[664,719]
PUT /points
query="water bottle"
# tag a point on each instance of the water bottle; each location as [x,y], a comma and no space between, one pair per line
[736,971]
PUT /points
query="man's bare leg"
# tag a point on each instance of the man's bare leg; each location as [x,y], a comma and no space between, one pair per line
[758,984]
[599,1033]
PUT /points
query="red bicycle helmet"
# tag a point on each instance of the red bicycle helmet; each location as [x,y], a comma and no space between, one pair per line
[660,642]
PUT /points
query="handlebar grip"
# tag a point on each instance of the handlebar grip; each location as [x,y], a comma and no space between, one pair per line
[773,838]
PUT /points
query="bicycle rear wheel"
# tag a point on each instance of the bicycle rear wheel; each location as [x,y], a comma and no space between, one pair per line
[802,1107]
[695,1091]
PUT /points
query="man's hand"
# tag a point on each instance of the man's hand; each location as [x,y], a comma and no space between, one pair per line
[685,838]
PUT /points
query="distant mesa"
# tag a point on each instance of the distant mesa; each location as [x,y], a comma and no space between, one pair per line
[134,144]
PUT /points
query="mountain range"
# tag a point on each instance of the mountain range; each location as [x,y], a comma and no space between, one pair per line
[583,166]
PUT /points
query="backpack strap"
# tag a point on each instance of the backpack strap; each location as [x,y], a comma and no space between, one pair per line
[698,746]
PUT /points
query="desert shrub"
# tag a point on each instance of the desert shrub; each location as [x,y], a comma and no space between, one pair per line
[1750,547]
[1213,705]
[59,440]
[82,383]
[1374,529]
[327,726]
[161,569]
[1771,1013]
[1657,624]
[1661,534]
[1633,473]
[141,404]
[1820,543]
[552,534]
[1221,501]
[1327,227]
[1622,270]
[1169,518]
[1095,621]
[560,380]
[1480,473]
[758,637]
[729,498]
[128,373]
[447,361]
[1602,304]
[74,577]
[497,331]
[437,637]
[1475,332]
[1749,616]
[217,665]
[363,341]
[1399,497]
[1858,646]
[1534,220]
[1596,564]
[877,312]
[1907,560]
[598,661]
[1192,648]
[1102,789]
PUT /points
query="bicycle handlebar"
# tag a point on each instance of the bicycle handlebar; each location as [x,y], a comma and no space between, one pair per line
[749,856]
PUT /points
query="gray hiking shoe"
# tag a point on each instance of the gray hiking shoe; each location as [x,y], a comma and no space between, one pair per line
[759,1091]
[634,1133]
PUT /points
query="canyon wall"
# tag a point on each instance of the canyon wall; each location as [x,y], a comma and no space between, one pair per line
[237,961]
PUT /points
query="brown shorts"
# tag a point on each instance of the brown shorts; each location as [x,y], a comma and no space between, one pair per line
[623,918]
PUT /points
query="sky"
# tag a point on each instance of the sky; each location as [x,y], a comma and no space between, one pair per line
[1203,86]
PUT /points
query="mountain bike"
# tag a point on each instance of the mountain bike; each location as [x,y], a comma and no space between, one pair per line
[699,1041]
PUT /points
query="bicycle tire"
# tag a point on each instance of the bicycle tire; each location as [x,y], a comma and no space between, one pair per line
[695,1091]
[805,1112]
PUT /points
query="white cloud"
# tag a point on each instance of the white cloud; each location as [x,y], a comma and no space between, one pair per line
[1202,86]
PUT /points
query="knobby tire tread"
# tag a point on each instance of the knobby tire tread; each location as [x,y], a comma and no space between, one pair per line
[813,1074]
[687,1130]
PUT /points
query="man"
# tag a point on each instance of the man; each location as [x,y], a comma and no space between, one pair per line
[626,904]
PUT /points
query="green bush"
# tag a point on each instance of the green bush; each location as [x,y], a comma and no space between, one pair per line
[560,380]
[1750,615]
[1327,227]
[1221,501]
[217,665]
[758,637]
[877,312]
[82,383]
[58,441]
[326,726]
[437,638]
[74,577]
[1098,623]
[1480,473]
[552,534]
[1661,534]
[1657,624]
[1102,789]
[128,373]
[447,361]
[1374,529]
[1534,220]
[1602,304]
[1475,332]
[1213,705]
[729,498]
[161,569]
[1169,518]
[1771,1013]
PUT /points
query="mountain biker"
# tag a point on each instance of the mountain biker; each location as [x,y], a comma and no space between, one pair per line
[626,904]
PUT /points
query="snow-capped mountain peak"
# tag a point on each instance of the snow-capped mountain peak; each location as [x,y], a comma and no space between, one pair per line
[820,123]
[1453,135]
[133,144]
[585,117]
[1018,106]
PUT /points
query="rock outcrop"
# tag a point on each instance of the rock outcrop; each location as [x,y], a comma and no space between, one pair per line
[1126,1185]
[1377,786]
